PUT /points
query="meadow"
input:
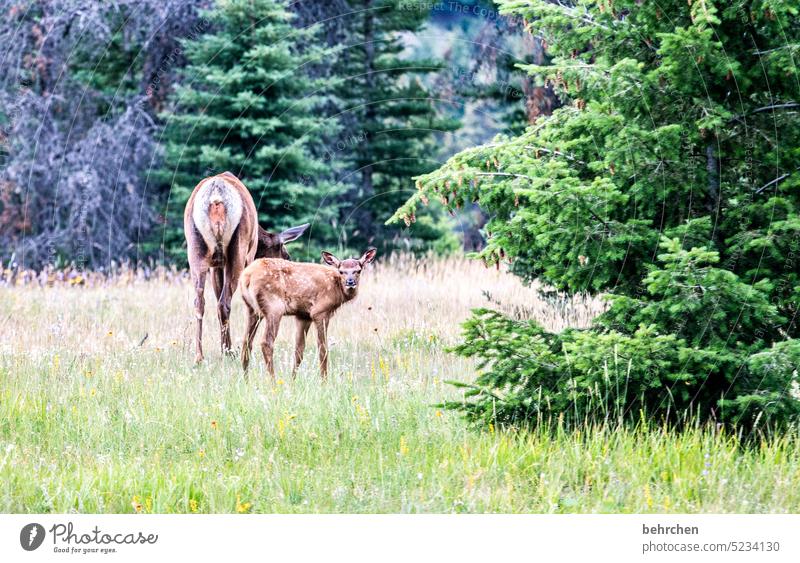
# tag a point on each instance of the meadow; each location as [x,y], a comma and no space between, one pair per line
[102,410]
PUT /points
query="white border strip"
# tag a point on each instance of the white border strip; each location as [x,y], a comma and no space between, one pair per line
[405,538]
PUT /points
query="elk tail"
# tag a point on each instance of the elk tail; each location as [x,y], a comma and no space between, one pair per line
[247,297]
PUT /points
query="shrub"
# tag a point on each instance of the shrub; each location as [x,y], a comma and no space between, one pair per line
[684,348]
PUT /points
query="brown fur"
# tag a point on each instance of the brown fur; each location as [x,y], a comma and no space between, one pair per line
[226,262]
[270,246]
[274,288]
[217,215]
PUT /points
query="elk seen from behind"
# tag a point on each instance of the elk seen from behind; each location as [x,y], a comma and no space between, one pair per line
[222,237]
[312,293]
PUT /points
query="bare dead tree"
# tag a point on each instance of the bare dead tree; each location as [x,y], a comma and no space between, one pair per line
[74,156]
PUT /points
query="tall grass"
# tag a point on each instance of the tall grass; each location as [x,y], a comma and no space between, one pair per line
[101,410]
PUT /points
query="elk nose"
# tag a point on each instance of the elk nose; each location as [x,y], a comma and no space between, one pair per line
[350,283]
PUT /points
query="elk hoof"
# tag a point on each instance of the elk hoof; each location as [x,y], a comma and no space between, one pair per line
[198,358]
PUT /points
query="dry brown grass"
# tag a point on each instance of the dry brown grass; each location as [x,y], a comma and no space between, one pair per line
[399,296]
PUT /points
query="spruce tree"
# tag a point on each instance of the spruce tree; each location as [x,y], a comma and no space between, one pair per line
[669,180]
[247,104]
[391,122]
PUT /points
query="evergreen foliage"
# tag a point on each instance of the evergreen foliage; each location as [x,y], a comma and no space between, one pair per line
[669,180]
[395,123]
[247,104]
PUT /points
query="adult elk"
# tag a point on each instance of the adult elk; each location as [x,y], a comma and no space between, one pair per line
[272,289]
[222,237]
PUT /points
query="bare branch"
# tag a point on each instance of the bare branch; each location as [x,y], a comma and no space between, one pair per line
[776,181]
[74,182]
[787,105]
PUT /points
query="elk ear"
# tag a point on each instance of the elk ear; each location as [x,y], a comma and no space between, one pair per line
[293,233]
[368,256]
[330,259]
[269,245]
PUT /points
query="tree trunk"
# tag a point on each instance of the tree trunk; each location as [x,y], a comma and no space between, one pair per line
[713,199]
[369,77]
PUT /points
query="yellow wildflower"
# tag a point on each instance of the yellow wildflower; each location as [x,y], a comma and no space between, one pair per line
[403,445]
[362,413]
[241,507]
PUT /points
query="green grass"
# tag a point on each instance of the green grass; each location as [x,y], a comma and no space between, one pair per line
[90,421]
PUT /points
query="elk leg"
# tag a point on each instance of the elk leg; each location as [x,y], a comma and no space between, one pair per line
[223,313]
[249,334]
[300,342]
[230,281]
[268,342]
[322,342]
[224,308]
[199,279]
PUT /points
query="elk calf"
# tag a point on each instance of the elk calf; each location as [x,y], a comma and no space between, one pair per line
[222,237]
[273,289]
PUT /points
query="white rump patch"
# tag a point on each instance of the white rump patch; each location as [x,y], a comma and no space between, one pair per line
[216,190]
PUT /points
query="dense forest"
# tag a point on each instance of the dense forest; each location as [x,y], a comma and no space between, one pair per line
[111,112]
